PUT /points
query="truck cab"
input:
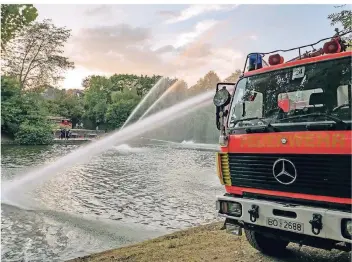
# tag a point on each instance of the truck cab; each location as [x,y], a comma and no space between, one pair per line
[285,149]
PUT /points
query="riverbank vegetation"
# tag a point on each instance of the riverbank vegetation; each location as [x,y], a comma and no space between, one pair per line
[34,65]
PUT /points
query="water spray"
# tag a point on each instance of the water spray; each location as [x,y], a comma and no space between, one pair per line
[159,99]
[135,110]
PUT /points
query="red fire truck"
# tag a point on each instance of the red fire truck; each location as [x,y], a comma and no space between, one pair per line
[285,157]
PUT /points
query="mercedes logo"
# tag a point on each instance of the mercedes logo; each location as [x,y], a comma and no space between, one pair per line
[284,171]
[283,140]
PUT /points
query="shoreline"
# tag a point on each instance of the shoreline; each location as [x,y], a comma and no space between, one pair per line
[207,243]
[71,141]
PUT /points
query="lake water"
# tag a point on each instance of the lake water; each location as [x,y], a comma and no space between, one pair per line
[130,193]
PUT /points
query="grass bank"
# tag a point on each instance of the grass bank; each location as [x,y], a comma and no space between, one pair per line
[207,243]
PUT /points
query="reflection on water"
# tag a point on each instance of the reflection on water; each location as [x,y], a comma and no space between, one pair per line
[130,193]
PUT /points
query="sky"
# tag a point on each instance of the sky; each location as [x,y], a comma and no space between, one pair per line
[184,41]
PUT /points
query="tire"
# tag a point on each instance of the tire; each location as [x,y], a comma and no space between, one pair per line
[266,245]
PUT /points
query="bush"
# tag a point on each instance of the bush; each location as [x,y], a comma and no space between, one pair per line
[11,102]
[34,134]
[118,112]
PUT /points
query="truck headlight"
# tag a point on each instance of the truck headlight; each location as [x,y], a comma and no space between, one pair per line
[349,227]
[231,208]
[346,226]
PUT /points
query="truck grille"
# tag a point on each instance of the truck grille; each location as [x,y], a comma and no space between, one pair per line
[327,175]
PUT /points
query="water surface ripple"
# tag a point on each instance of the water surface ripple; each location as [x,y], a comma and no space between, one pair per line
[128,194]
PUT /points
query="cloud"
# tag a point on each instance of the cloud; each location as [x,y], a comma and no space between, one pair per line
[222,61]
[200,28]
[196,10]
[116,49]
[197,51]
[227,54]
[126,49]
[169,14]
[165,49]
[253,37]
[98,10]
[110,37]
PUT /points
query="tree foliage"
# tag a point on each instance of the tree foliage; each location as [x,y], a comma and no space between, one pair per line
[31,134]
[106,104]
[35,57]
[13,19]
[233,77]
[122,105]
[65,104]
[23,111]
[344,18]
[109,100]
[10,105]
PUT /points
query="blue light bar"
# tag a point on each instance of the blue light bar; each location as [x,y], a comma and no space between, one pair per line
[255,62]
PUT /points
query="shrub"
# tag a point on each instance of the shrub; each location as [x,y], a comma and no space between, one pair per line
[39,133]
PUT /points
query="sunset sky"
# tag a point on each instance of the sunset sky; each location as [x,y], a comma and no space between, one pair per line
[183,41]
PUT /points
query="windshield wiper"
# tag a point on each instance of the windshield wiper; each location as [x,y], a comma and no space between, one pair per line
[235,122]
[334,118]
[258,128]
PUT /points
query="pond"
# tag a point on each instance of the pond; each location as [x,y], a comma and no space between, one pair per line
[130,193]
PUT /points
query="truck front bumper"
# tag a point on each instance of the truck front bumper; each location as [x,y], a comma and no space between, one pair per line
[304,220]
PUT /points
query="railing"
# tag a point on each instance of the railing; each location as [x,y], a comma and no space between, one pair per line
[299,48]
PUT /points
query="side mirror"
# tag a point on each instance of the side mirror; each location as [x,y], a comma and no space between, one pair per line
[221,99]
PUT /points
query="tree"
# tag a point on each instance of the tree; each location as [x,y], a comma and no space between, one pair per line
[233,77]
[96,98]
[74,108]
[23,114]
[146,83]
[35,57]
[10,105]
[344,17]
[13,19]
[66,104]
[86,81]
[29,134]
[208,82]
[122,106]
[110,100]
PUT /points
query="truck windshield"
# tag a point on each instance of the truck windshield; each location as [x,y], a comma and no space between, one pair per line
[294,95]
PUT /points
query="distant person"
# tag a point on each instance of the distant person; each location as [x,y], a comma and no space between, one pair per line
[62,133]
[68,133]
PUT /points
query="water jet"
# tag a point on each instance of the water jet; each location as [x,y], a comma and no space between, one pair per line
[159,99]
[143,101]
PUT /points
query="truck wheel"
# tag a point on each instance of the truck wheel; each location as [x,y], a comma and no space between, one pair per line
[266,245]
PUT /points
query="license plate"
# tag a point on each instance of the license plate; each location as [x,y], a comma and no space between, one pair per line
[285,224]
